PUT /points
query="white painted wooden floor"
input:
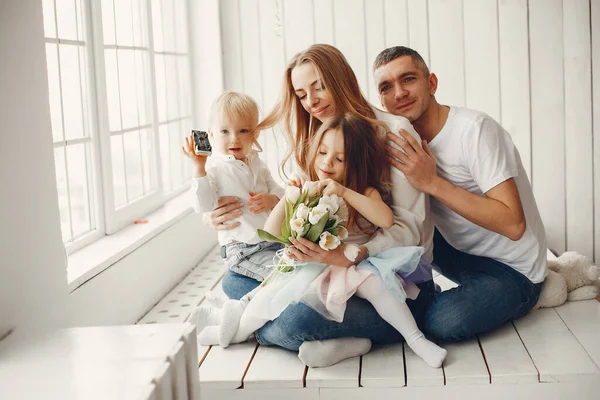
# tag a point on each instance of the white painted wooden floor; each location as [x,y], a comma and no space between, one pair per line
[550,354]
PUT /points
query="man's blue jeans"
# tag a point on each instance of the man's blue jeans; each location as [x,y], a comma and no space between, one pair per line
[490,293]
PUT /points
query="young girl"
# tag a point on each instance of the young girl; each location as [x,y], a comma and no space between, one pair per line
[346,160]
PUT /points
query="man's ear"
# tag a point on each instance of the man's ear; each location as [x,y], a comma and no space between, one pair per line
[433,83]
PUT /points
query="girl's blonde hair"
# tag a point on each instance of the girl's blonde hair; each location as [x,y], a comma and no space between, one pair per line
[366,165]
[339,80]
[234,106]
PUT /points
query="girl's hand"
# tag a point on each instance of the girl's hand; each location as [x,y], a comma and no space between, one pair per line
[304,250]
[327,187]
[228,208]
[199,160]
[262,202]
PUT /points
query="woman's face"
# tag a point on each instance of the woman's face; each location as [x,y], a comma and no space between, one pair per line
[313,95]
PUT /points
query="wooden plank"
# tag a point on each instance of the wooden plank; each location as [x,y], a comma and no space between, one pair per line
[383,367]
[350,36]
[224,368]
[232,52]
[595,32]
[324,22]
[419,374]
[583,320]
[396,23]
[299,29]
[375,36]
[506,357]
[274,368]
[418,28]
[251,49]
[514,75]
[465,364]
[556,353]
[446,50]
[482,62]
[548,117]
[343,374]
[578,127]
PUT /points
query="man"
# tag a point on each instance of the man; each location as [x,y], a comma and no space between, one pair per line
[489,236]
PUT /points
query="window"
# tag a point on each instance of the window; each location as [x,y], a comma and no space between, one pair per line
[120,103]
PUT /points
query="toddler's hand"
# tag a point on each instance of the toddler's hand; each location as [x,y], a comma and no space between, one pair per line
[188,150]
[327,187]
[296,181]
[262,202]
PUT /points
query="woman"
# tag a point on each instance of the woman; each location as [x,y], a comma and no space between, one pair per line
[319,84]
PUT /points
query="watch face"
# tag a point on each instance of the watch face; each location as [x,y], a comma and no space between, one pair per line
[201,143]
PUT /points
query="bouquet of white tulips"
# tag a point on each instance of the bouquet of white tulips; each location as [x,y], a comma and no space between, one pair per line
[315,217]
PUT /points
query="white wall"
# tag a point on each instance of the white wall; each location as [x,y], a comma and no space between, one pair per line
[33,279]
[526,63]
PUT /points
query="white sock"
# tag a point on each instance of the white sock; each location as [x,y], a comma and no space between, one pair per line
[230,320]
[323,353]
[397,314]
[215,299]
[204,316]
[209,336]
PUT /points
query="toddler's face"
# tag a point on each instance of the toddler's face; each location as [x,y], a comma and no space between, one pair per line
[233,137]
[329,161]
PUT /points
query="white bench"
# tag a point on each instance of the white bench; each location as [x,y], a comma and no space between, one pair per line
[551,354]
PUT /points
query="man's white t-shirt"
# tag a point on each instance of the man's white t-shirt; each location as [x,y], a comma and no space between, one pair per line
[475,153]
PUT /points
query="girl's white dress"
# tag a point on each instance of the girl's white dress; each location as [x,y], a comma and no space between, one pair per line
[327,288]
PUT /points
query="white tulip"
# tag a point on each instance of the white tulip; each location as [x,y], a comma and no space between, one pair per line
[351,252]
[297,225]
[302,211]
[292,194]
[342,212]
[310,187]
[316,214]
[328,241]
[342,232]
[330,202]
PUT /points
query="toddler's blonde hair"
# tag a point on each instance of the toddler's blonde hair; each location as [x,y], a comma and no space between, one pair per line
[233,106]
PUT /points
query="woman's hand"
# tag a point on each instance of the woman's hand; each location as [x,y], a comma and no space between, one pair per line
[328,187]
[304,250]
[228,208]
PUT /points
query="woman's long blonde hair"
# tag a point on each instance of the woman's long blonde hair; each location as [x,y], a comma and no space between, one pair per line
[338,78]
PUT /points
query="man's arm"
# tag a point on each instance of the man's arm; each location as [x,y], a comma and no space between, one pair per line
[500,211]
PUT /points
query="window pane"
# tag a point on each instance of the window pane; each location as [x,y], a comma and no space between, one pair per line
[124,22]
[168,25]
[49,23]
[71,91]
[177,157]
[186,127]
[127,81]
[54,91]
[139,17]
[181,24]
[172,88]
[157,26]
[133,165]
[143,95]
[118,170]
[63,200]
[79,188]
[66,14]
[112,90]
[185,94]
[165,158]
[147,166]
[108,22]
[161,87]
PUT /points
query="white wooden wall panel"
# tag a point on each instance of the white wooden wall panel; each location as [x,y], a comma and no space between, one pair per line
[578,126]
[350,36]
[595,20]
[324,22]
[548,116]
[482,74]
[527,63]
[513,27]
[447,50]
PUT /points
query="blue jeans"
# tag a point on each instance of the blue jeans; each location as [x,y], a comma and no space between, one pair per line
[489,294]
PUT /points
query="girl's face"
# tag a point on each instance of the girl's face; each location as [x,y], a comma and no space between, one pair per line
[329,161]
[313,95]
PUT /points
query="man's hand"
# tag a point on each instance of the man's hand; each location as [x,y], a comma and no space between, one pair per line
[227,209]
[304,250]
[415,162]
[262,202]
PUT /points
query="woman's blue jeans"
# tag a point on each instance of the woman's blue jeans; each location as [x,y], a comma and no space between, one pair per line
[489,294]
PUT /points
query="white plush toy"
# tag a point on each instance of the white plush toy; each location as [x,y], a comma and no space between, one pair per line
[572,277]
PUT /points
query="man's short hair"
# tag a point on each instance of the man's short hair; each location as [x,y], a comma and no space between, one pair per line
[390,54]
